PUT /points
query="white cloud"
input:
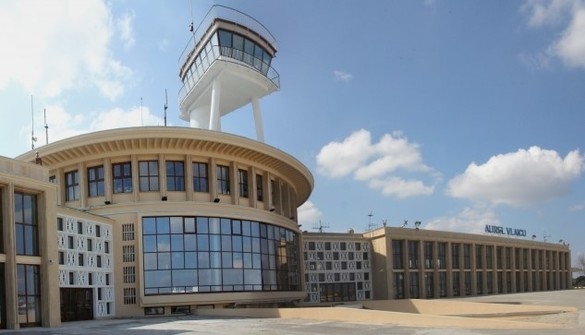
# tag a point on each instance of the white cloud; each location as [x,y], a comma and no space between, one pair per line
[469,220]
[308,214]
[569,46]
[376,163]
[63,124]
[519,178]
[401,188]
[343,76]
[126,30]
[48,48]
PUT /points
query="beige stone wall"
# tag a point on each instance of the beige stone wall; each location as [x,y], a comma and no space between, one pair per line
[29,178]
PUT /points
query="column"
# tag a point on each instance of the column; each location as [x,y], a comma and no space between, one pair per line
[258,119]
[214,111]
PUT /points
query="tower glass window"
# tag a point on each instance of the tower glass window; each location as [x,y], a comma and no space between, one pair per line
[95,181]
[25,218]
[175,176]
[413,255]
[72,185]
[243,49]
[200,182]
[122,177]
[397,254]
[223,179]
[148,175]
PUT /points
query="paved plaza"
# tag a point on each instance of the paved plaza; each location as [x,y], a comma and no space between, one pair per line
[569,323]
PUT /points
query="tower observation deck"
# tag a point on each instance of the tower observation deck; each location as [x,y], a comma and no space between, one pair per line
[226,65]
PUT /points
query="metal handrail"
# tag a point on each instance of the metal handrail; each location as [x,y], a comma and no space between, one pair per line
[228,14]
[232,55]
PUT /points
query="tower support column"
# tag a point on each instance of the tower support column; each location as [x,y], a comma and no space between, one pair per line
[214,123]
[258,119]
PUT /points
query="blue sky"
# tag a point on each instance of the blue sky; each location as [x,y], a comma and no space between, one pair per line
[457,114]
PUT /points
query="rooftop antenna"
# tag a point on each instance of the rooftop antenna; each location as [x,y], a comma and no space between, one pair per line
[370,220]
[46,127]
[405,223]
[320,226]
[385,222]
[166,106]
[32,113]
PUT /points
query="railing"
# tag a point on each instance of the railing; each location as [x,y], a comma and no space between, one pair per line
[227,14]
[201,65]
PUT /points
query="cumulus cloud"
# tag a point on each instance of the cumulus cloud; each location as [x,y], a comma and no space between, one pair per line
[308,214]
[469,220]
[376,163]
[49,48]
[343,76]
[524,177]
[569,15]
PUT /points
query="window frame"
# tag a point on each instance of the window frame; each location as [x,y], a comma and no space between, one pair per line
[151,177]
[123,177]
[223,179]
[200,177]
[95,180]
[175,175]
[72,185]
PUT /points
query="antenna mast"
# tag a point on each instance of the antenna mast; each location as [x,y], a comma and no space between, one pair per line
[320,226]
[32,114]
[166,106]
[46,127]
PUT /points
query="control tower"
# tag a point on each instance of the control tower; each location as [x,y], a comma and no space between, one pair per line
[226,65]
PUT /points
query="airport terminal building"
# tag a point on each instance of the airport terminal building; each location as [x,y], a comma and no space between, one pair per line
[162,220]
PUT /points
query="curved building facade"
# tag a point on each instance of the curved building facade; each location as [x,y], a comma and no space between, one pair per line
[197,217]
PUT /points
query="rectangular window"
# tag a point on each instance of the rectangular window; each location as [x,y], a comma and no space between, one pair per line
[223,179]
[479,257]
[259,188]
[243,183]
[397,254]
[61,258]
[128,232]
[442,257]
[455,256]
[129,296]
[106,247]
[128,253]
[72,186]
[29,294]
[148,176]
[129,274]
[95,181]
[429,254]
[412,254]
[79,227]
[467,256]
[26,225]
[200,182]
[98,260]
[98,231]
[60,224]
[122,177]
[80,261]
[175,176]
[89,244]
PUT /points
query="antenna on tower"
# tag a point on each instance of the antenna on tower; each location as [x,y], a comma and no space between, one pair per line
[405,223]
[46,127]
[32,113]
[320,226]
[370,220]
[166,106]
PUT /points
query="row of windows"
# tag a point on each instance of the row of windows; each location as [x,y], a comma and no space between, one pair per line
[502,283]
[149,179]
[202,254]
[461,256]
[342,246]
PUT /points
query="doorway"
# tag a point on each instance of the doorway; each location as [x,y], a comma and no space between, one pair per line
[76,304]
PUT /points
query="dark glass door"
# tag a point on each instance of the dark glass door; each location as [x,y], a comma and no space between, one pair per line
[76,304]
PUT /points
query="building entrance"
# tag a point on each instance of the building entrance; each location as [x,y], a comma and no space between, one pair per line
[76,304]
